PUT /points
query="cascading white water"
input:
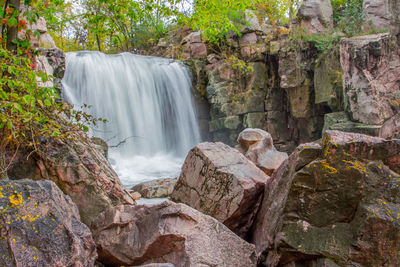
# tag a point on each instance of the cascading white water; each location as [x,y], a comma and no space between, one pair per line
[147,102]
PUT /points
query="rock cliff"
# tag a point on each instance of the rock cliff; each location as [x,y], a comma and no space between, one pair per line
[295,90]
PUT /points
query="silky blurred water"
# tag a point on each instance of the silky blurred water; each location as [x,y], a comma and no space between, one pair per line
[148,104]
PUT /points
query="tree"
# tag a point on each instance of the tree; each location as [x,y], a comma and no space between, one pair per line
[113,26]
[129,24]
[12,24]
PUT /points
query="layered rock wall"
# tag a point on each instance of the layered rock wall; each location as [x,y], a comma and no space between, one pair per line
[371,65]
[280,93]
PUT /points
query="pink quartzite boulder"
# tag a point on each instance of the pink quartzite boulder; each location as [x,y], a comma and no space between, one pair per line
[194,37]
[315,15]
[257,145]
[155,189]
[198,50]
[339,201]
[248,39]
[194,47]
[40,25]
[40,226]
[371,79]
[219,181]
[167,233]
[81,171]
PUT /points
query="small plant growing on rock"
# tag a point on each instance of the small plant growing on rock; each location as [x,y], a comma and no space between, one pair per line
[240,66]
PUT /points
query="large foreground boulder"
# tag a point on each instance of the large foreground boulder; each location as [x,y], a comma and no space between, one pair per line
[339,201]
[170,233]
[81,171]
[219,181]
[257,145]
[40,226]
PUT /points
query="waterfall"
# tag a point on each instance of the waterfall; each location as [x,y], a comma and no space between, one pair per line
[149,107]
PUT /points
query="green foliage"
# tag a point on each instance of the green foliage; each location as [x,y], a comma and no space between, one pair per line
[218,19]
[30,111]
[113,26]
[348,15]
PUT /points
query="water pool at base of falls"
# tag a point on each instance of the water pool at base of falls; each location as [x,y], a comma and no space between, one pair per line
[138,169]
[149,107]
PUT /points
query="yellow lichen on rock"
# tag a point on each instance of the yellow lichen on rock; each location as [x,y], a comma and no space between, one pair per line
[357,165]
[328,168]
[16,199]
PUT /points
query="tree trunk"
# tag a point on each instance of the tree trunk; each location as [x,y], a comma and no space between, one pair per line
[98,42]
[12,31]
[2,25]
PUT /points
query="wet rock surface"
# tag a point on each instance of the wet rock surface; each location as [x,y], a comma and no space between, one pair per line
[40,226]
[339,201]
[221,182]
[170,233]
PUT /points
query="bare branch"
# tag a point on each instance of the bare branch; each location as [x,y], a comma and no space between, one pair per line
[124,141]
